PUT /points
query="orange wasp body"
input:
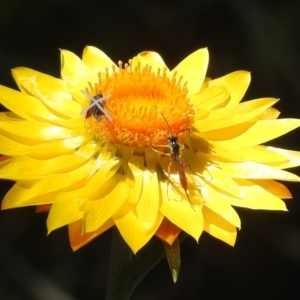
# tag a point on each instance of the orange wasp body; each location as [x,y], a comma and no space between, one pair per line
[175,152]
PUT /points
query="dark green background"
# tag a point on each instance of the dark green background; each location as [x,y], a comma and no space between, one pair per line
[260,36]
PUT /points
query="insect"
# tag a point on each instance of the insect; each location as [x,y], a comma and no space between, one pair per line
[95,111]
[175,152]
[96,106]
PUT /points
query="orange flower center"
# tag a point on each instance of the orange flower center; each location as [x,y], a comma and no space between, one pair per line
[146,107]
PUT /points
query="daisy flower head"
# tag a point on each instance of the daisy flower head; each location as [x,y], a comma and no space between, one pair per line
[136,145]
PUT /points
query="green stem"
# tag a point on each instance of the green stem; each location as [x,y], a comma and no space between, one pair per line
[120,256]
[126,272]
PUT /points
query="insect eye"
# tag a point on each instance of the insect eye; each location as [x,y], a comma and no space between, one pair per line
[98,96]
[173,139]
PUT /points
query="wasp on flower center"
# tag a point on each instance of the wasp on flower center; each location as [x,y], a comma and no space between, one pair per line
[94,110]
[96,107]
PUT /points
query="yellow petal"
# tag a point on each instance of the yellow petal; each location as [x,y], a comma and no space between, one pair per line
[76,73]
[215,175]
[207,99]
[39,130]
[10,147]
[149,58]
[253,170]
[53,92]
[23,105]
[130,228]
[193,69]
[262,154]
[94,187]
[182,214]
[260,132]
[230,116]
[40,151]
[97,212]
[63,211]
[257,198]
[222,181]
[17,197]
[79,239]
[17,168]
[215,202]
[270,114]
[11,118]
[25,193]
[60,182]
[146,189]
[223,135]
[148,204]
[236,83]
[273,187]
[293,157]
[135,178]
[96,59]
[218,227]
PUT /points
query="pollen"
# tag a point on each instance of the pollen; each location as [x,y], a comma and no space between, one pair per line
[145,106]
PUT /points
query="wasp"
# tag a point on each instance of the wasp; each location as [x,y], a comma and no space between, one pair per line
[96,108]
[175,149]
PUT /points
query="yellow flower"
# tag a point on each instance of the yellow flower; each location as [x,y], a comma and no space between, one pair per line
[94,173]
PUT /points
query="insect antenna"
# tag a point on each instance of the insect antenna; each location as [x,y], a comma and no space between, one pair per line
[166,121]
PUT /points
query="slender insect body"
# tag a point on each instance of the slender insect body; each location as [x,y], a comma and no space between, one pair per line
[175,152]
[182,176]
[174,147]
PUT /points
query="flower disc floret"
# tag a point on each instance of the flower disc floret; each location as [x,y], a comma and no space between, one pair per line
[140,99]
